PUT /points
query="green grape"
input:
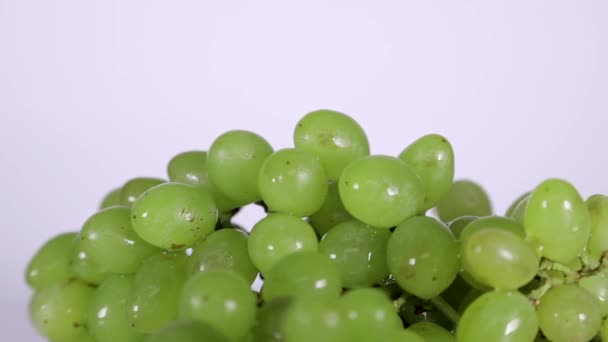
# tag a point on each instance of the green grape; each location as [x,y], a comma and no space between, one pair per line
[315,319]
[406,335]
[225,249]
[370,314]
[597,285]
[454,293]
[464,198]
[189,168]
[511,210]
[234,161]
[359,252]
[498,316]
[302,274]
[422,255]
[557,217]
[107,315]
[268,326]
[109,240]
[154,297]
[467,277]
[221,299]
[135,187]
[335,138]
[111,199]
[519,212]
[331,212]
[173,216]
[569,313]
[59,312]
[51,263]
[381,191]
[458,225]
[499,259]
[604,331]
[187,331]
[469,298]
[432,158]
[81,265]
[598,213]
[277,236]
[293,181]
[492,222]
[432,332]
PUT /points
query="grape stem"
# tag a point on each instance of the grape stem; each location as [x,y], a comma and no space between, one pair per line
[446,309]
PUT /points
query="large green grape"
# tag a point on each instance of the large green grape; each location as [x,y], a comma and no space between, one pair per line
[370,315]
[422,255]
[499,259]
[498,316]
[303,274]
[268,326]
[331,212]
[464,198]
[597,285]
[598,213]
[111,199]
[432,332]
[221,299]
[557,217]
[107,315]
[432,158]
[189,167]
[359,252]
[110,241]
[278,235]
[293,181]
[133,188]
[381,191]
[154,297]
[569,313]
[224,249]
[173,216]
[315,319]
[59,312]
[51,263]
[335,138]
[234,161]
[187,331]
[81,265]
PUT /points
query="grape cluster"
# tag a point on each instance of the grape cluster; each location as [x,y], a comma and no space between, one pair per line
[346,251]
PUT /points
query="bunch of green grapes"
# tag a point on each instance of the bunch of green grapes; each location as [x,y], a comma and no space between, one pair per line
[353,247]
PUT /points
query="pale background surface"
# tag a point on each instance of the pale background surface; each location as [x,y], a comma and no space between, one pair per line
[95,92]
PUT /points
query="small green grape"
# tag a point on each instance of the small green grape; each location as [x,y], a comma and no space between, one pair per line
[597,285]
[111,199]
[459,224]
[269,321]
[370,315]
[189,168]
[464,198]
[331,212]
[598,213]
[511,210]
[51,263]
[406,335]
[186,331]
[81,265]
[315,319]
[432,332]
[133,188]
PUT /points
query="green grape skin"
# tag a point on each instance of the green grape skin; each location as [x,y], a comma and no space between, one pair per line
[569,313]
[174,216]
[604,331]
[51,263]
[381,191]
[598,213]
[135,187]
[422,255]
[315,319]
[335,138]
[406,335]
[59,312]
[519,212]
[294,182]
[499,259]
[111,199]
[268,325]
[498,316]
[597,285]
[370,314]
[109,240]
[234,161]
[221,299]
[277,236]
[454,293]
[514,204]
[107,313]
[469,297]
[459,224]
[557,217]
[464,198]
[432,332]
[492,222]
[432,158]
[224,249]
[186,331]
[331,212]
[189,167]
[302,274]
[81,265]
[154,297]
[359,252]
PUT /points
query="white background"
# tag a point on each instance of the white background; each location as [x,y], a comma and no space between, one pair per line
[95,92]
